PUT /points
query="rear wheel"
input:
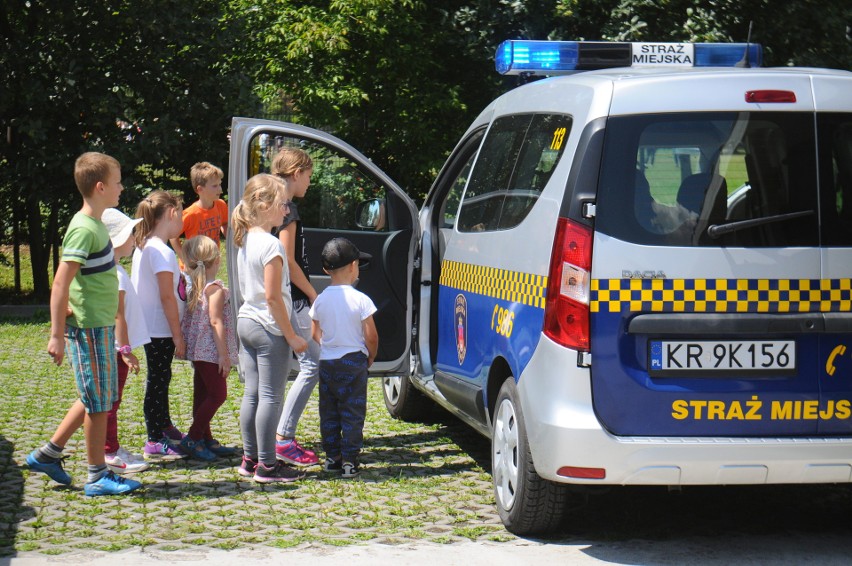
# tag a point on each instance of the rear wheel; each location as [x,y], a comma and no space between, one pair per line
[527,504]
[402,400]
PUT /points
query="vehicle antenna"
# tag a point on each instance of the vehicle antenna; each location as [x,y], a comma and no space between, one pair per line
[744,62]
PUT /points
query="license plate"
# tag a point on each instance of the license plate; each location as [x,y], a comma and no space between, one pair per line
[707,357]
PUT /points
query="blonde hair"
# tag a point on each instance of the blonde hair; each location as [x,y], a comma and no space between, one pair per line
[202,173]
[200,252]
[259,196]
[151,210]
[90,169]
[290,160]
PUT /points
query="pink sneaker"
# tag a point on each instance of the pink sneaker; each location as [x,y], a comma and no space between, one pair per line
[247,467]
[162,451]
[293,453]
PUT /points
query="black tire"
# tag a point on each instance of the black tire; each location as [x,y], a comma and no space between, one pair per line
[526,503]
[403,401]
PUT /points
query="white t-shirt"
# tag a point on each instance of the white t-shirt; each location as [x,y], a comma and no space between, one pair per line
[259,248]
[156,257]
[137,330]
[340,310]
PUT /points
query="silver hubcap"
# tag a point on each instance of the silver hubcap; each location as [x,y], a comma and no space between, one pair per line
[504,446]
[392,386]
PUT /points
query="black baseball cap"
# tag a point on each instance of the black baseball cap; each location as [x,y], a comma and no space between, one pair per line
[340,252]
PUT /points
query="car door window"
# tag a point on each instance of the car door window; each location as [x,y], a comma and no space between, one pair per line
[338,184]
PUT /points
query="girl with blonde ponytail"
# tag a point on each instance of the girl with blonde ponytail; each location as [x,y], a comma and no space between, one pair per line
[211,345]
[263,324]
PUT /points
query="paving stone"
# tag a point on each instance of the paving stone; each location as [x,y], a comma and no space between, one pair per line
[417,482]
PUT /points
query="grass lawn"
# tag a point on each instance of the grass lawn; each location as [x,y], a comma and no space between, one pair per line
[426,482]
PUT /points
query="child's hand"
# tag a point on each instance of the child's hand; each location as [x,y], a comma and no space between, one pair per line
[298,343]
[224,365]
[132,362]
[56,349]
[180,347]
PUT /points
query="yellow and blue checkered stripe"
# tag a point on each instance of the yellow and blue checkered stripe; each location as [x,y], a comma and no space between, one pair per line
[721,295]
[514,286]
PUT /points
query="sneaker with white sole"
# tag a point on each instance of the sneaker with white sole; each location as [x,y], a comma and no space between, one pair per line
[294,454]
[129,456]
[125,463]
[247,467]
[280,472]
[162,451]
[332,465]
[350,470]
[111,484]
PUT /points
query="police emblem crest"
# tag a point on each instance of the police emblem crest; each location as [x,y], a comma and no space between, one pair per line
[460,320]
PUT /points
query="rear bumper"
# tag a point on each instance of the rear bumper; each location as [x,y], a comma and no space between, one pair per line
[563,431]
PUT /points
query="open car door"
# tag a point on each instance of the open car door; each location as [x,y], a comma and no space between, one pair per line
[350,197]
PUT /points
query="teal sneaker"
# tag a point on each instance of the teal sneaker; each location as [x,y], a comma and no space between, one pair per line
[53,469]
[111,484]
[196,449]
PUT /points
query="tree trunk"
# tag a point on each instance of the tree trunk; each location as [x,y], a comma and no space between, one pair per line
[16,243]
[38,253]
[50,238]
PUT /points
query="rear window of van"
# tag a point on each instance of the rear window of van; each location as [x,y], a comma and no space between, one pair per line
[727,179]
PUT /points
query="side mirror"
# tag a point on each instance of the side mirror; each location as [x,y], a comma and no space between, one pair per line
[371,215]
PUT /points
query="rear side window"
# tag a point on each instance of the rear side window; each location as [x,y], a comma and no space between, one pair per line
[514,164]
[835,169]
[710,179]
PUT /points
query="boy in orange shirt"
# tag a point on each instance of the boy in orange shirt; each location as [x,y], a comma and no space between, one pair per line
[208,215]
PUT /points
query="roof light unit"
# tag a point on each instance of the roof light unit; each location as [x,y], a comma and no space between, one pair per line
[516,57]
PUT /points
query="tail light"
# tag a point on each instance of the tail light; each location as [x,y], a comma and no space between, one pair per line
[566,311]
[770,96]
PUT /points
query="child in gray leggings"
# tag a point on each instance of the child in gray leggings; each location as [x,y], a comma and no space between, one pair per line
[263,324]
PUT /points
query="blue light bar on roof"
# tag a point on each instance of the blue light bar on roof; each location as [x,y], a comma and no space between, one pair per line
[515,57]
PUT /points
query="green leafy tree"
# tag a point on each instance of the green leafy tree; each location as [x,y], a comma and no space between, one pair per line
[394,78]
[794,32]
[153,83]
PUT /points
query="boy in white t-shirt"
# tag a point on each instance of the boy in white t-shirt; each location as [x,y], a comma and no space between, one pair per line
[342,324]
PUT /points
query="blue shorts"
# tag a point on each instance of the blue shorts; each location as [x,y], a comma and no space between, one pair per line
[91,352]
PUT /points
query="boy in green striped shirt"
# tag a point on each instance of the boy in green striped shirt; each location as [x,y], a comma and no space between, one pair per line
[86,284]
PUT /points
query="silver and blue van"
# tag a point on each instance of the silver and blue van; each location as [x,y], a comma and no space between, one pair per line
[637,271]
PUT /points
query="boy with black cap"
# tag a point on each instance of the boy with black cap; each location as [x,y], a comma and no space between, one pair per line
[342,324]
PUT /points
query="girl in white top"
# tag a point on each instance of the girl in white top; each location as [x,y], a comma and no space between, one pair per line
[130,333]
[263,324]
[161,289]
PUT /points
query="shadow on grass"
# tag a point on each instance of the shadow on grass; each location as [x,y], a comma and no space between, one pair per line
[414,453]
[24,314]
[12,511]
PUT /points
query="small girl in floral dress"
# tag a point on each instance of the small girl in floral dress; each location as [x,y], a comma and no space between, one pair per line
[211,345]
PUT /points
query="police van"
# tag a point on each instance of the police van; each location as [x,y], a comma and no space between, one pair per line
[637,274]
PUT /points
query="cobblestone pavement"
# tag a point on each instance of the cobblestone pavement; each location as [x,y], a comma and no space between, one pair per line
[424,497]
[419,483]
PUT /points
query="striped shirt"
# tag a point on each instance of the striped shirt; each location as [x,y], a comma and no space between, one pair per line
[93,296]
